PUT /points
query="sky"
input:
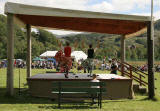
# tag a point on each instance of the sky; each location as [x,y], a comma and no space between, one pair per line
[133,7]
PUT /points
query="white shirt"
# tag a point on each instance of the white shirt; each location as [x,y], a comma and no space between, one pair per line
[95,81]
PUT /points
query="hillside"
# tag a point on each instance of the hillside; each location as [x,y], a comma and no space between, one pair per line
[109,44]
[136,48]
[41,41]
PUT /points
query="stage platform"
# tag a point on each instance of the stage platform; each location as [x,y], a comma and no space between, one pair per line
[40,85]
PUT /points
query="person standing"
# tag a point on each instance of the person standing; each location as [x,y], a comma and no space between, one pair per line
[67,53]
[90,52]
[67,50]
[90,57]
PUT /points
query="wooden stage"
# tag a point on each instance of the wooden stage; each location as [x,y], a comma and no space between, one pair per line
[40,85]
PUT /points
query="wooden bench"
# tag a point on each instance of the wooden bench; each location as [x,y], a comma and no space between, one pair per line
[79,87]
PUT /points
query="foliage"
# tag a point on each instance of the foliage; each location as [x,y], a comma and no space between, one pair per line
[41,41]
[108,44]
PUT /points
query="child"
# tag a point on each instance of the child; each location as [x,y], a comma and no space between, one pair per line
[94,79]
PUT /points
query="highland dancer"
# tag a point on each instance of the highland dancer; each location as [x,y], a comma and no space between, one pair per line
[64,59]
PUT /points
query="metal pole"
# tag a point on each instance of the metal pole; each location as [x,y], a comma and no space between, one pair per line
[19,82]
[28,27]
[151,10]
[122,53]
[150,42]
[152,24]
[150,62]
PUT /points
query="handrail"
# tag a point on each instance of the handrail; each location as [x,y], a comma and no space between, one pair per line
[139,74]
[136,71]
[134,68]
[141,82]
[138,80]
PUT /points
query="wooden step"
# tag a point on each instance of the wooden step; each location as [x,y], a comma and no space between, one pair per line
[135,88]
[139,89]
[142,90]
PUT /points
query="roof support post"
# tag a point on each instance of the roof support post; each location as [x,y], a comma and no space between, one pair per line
[122,53]
[150,51]
[10,54]
[28,62]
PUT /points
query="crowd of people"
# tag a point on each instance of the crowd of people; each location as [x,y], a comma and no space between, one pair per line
[53,65]
[3,63]
[18,63]
[87,65]
[43,65]
[145,67]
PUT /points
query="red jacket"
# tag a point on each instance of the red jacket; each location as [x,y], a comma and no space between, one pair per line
[67,51]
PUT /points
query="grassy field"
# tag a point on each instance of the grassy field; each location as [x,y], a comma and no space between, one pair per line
[139,63]
[25,102]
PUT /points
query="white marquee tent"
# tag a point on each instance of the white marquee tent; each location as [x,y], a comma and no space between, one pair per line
[76,54]
[49,54]
[79,55]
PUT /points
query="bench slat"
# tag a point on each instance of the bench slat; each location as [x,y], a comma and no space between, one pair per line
[70,92]
[76,83]
[89,90]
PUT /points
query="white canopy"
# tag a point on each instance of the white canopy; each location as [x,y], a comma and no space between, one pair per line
[76,54]
[79,55]
[49,54]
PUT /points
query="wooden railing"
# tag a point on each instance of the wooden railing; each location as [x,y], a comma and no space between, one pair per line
[133,73]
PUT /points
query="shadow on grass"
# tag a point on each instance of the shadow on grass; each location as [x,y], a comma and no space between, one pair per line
[79,106]
[25,98]
[108,101]
[22,98]
[155,99]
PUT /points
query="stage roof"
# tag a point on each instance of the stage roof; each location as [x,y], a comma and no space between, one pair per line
[77,20]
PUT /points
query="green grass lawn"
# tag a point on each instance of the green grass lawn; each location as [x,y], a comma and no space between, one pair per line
[25,102]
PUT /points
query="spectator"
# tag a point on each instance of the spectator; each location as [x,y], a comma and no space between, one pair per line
[114,66]
[94,79]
